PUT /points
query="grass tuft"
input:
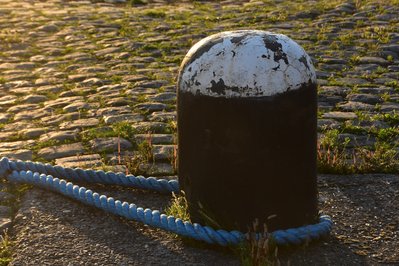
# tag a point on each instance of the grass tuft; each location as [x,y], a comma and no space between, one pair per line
[259,248]
[179,207]
[5,249]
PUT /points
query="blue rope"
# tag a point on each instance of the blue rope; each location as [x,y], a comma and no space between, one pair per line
[54,178]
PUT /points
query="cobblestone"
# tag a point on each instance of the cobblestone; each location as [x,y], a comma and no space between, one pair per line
[73,71]
[82,161]
[110,144]
[55,152]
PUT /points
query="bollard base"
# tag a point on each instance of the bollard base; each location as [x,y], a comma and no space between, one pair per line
[242,159]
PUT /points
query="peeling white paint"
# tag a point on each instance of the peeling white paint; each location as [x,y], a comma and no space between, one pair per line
[245,63]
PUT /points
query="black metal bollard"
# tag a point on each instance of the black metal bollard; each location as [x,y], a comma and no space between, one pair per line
[247,111]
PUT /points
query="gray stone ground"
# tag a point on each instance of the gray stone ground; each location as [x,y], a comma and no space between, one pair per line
[75,75]
[53,230]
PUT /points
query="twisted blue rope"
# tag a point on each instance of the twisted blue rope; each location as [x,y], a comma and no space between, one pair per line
[52,177]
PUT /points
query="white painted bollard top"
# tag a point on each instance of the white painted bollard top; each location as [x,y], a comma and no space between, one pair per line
[245,63]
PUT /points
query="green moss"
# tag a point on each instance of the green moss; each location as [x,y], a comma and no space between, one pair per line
[124,129]
[94,133]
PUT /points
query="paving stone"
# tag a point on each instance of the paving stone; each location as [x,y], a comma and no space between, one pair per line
[25,65]
[111,87]
[20,83]
[373,90]
[22,107]
[364,98]
[79,77]
[334,90]
[340,115]
[392,75]
[110,144]
[154,138]
[38,59]
[331,67]
[163,152]
[373,60]
[111,119]
[92,69]
[325,107]
[82,161]
[93,82]
[54,120]
[368,125]
[35,98]
[141,91]
[15,145]
[332,99]
[16,126]
[49,89]
[366,67]
[30,115]
[323,124]
[150,84]
[48,28]
[76,106]
[355,106]
[356,140]
[116,110]
[4,117]
[162,116]
[153,127]
[163,97]
[107,51]
[6,135]
[62,102]
[151,107]
[118,102]
[24,155]
[350,81]
[55,152]
[8,100]
[80,123]
[33,132]
[385,80]
[389,107]
[157,169]
[134,78]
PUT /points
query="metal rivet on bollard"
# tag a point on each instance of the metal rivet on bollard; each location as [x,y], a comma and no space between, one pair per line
[247,110]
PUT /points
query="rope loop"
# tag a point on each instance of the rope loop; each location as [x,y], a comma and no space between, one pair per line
[59,179]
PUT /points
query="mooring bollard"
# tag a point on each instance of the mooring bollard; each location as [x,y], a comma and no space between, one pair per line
[247,111]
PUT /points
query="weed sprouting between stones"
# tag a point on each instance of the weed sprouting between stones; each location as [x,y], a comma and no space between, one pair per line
[144,158]
[330,157]
[5,249]
[179,207]
[259,248]
[334,157]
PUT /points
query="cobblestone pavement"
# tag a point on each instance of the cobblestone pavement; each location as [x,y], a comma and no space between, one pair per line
[92,84]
